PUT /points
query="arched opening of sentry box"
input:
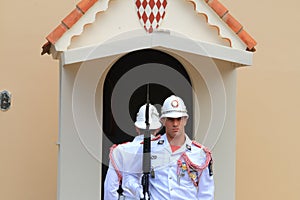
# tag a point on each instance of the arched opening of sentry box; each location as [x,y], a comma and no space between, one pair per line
[125,90]
[87,74]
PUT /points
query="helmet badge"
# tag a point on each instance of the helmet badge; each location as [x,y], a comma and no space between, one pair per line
[174,104]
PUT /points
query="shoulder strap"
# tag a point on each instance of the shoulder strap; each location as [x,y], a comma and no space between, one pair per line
[153,139]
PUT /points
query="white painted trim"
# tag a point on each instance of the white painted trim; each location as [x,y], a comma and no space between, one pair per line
[215,21]
[88,18]
[165,39]
[201,7]
[59,132]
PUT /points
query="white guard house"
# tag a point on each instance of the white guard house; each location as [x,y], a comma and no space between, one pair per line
[110,50]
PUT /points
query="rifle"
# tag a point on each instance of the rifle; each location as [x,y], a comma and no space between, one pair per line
[146,152]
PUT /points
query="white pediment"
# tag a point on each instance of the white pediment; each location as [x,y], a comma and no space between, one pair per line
[106,19]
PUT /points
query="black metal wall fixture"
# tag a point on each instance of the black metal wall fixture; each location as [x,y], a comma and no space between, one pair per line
[5,100]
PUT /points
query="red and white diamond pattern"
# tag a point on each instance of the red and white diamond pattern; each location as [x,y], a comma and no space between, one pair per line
[151,13]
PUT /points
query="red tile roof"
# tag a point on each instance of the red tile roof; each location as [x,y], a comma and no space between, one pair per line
[84,5]
[224,14]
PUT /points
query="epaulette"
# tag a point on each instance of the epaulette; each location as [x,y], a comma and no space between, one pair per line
[113,147]
[153,139]
[124,143]
[205,149]
[116,145]
[156,138]
[197,144]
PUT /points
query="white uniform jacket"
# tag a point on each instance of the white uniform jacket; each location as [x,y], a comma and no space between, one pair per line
[183,174]
[120,155]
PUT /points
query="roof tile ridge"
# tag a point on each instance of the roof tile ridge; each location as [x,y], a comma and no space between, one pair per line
[81,8]
[85,5]
[234,24]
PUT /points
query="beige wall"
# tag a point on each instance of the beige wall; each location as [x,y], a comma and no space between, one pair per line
[268,101]
[28,152]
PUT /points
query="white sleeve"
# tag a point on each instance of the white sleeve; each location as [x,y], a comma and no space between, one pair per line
[132,169]
[206,187]
[111,185]
[131,181]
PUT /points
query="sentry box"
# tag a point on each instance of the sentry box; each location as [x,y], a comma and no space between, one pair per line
[109,51]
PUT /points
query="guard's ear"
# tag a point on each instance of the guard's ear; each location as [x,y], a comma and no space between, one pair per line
[184,120]
[162,121]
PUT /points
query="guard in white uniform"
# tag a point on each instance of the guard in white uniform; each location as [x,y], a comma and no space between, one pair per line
[125,153]
[181,168]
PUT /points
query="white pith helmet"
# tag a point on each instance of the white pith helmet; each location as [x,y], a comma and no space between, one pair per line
[153,118]
[173,107]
